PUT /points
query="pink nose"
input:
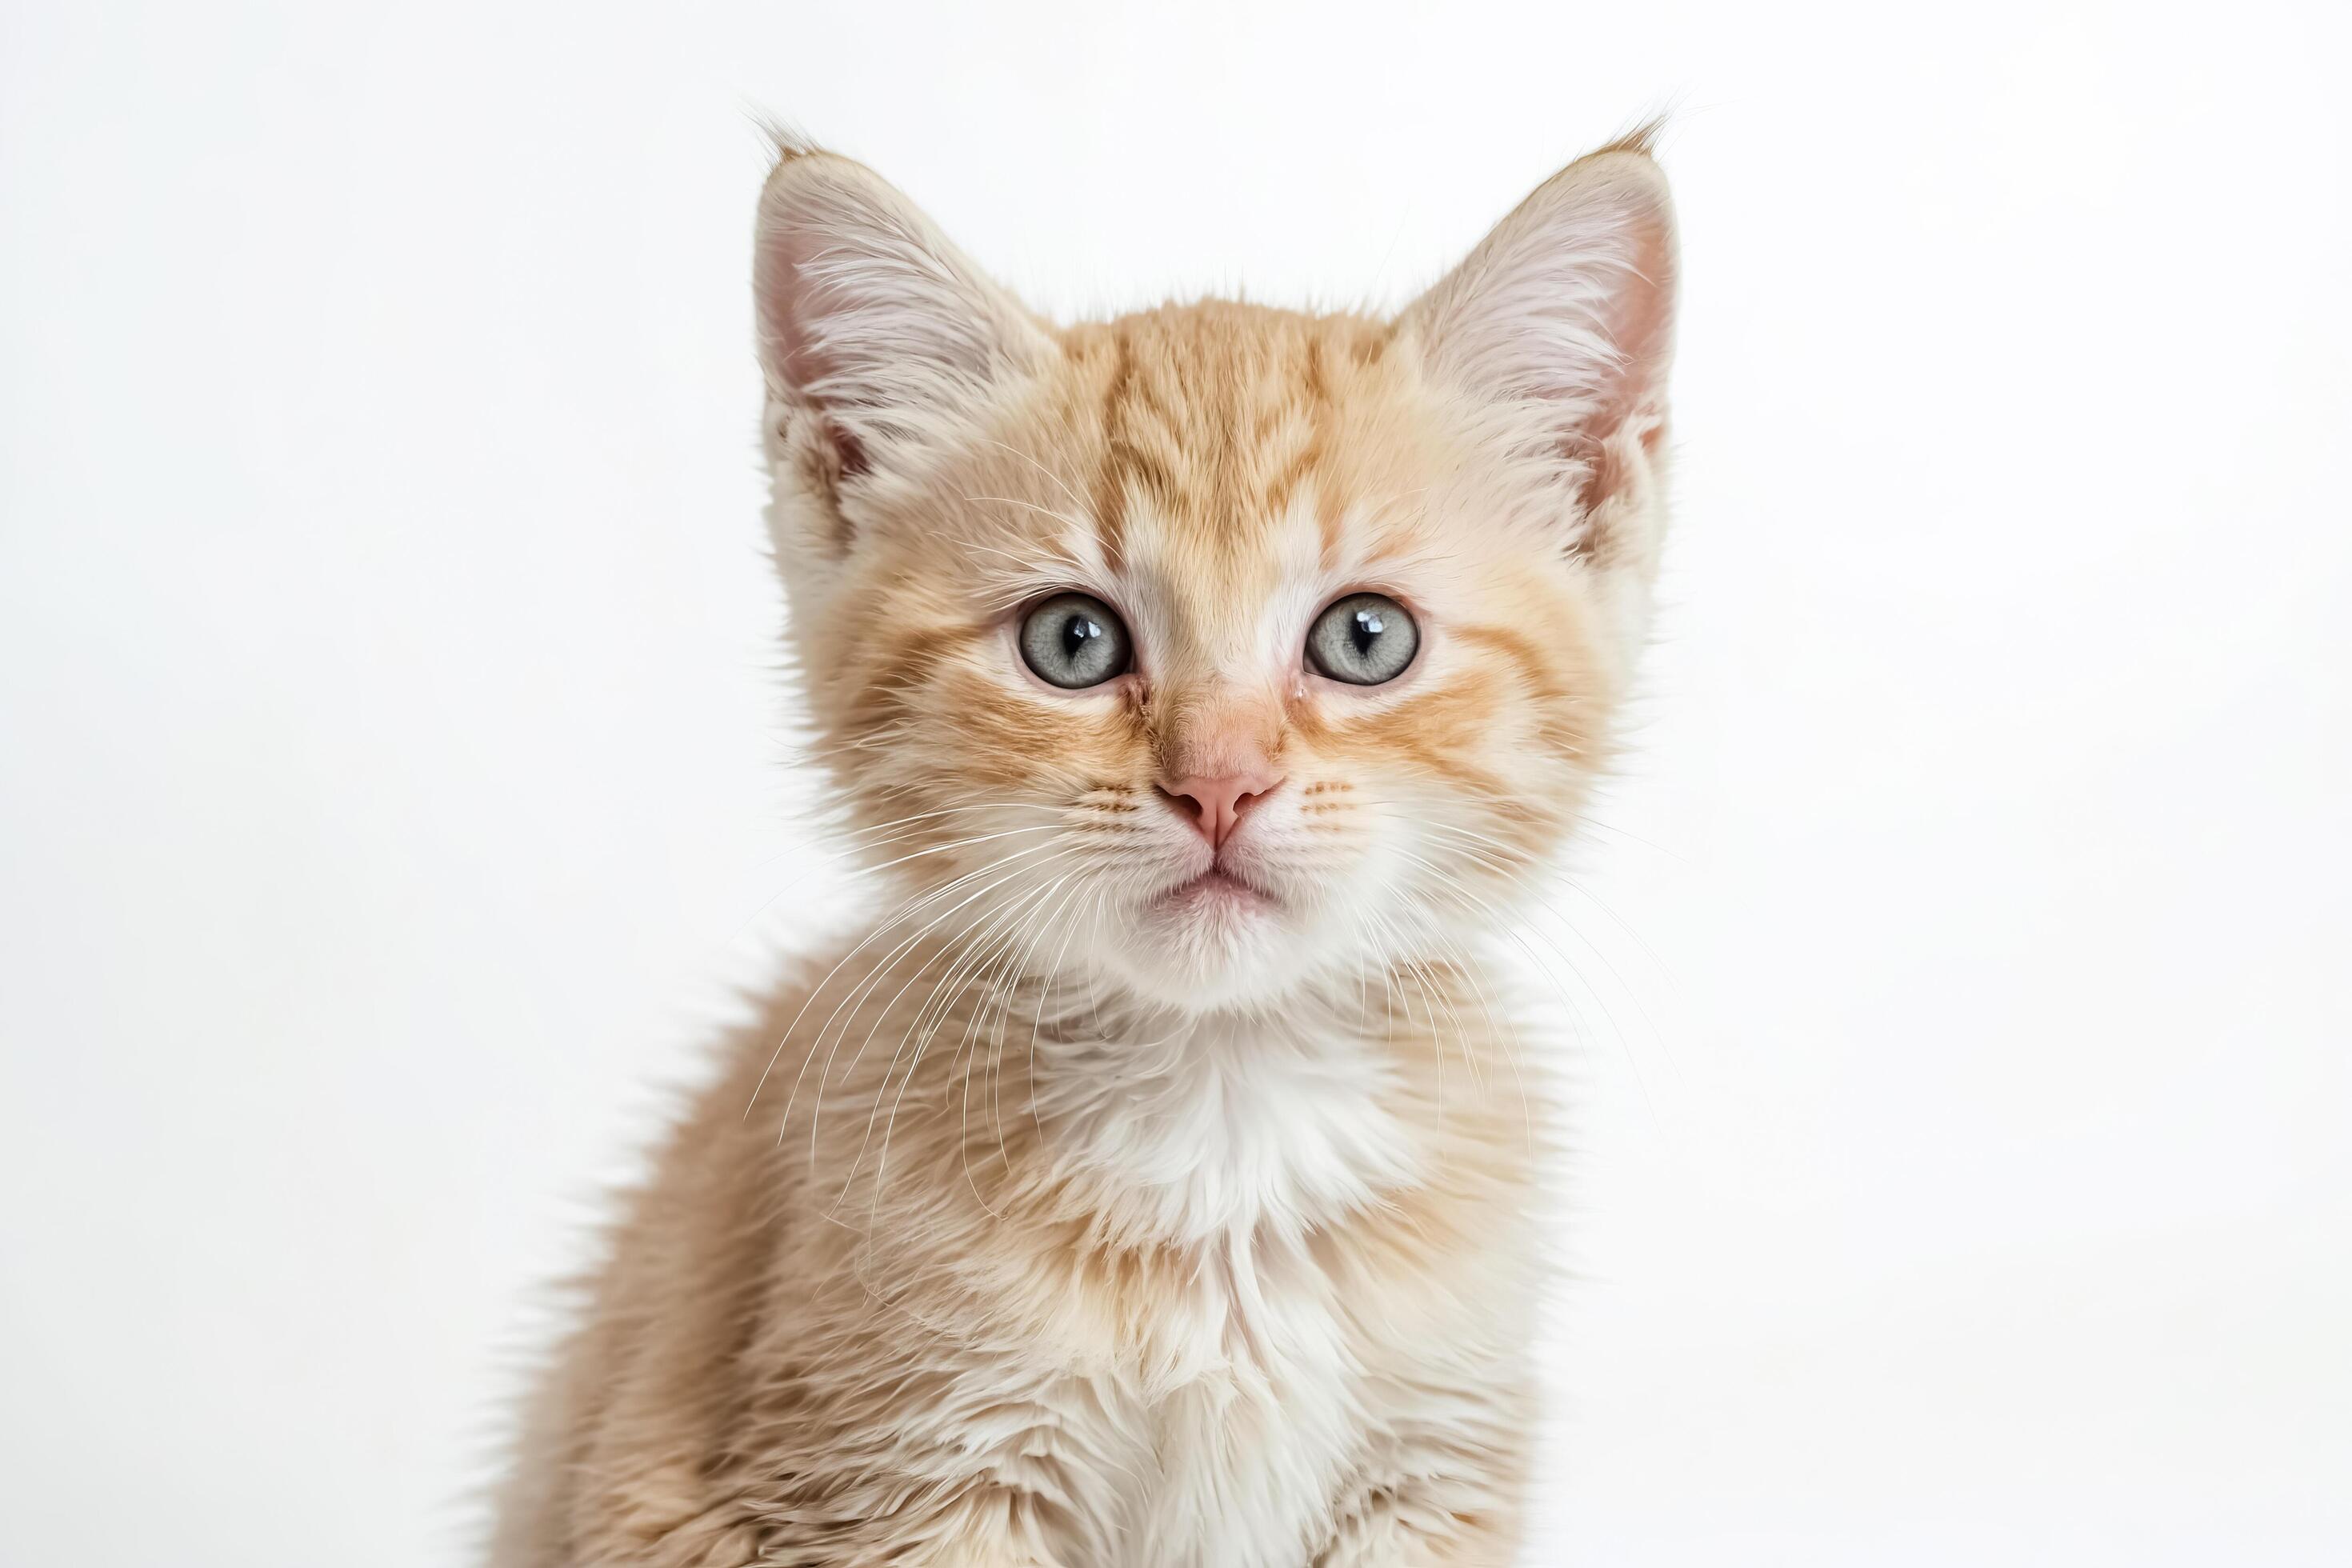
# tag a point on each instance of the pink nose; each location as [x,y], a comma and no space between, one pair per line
[1215,805]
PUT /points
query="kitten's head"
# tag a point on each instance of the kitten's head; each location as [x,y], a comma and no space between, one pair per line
[1216,650]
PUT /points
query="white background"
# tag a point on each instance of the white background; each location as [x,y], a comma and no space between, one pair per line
[394,783]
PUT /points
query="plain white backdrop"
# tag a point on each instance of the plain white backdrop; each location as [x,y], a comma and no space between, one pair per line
[395,784]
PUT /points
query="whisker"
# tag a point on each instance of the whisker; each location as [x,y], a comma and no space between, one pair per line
[1079,524]
[908,912]
[1076,500]
[874,981]
[1516,931]
[977,952]
[904,909]
[1010,991]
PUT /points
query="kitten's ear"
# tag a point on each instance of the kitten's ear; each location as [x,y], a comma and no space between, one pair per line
[876,336]
[1566,312]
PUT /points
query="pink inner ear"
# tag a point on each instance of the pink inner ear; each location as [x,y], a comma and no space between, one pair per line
[1569,304]
[869,322]
[1642,327]
[783,285]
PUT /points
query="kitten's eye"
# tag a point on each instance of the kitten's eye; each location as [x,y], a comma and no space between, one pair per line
[1073,640]
[1364,640]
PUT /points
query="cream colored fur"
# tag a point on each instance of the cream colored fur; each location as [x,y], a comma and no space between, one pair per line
[1060,1219]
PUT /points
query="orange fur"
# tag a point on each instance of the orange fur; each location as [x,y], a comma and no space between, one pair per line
[1052,1222]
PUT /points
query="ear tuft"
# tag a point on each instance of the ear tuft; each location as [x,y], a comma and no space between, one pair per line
[786,140]
[1642,138]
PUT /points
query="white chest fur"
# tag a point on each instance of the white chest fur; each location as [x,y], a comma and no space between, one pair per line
[1225,1442]
[1223,1445]
[1227,1128]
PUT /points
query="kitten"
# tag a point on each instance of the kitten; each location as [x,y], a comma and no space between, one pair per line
[1156,1187]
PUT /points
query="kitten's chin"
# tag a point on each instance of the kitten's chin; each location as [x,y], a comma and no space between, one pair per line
[1211,942]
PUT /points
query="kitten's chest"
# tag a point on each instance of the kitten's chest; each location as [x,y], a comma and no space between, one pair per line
[1234,1371]
[1291,1409]
[1236,1461]
[1245,1480]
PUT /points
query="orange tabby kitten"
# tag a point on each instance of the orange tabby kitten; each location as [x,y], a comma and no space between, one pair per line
[1154,1188]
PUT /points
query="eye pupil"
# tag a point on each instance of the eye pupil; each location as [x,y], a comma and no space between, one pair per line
[1365,639]
[1073,641]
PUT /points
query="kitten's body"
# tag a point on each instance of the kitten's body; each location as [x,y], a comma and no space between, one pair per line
[1130,1200]
[1286,1304]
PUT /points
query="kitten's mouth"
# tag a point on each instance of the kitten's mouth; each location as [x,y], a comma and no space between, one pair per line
[1216,888]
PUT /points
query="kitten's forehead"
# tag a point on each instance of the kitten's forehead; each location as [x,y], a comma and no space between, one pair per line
[1216,412]
[1215,462]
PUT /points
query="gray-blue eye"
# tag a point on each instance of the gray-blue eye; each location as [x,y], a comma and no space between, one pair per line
[1365,639]
[1075,640]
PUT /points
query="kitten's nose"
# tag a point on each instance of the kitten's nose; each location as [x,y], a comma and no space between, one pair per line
[1215,804]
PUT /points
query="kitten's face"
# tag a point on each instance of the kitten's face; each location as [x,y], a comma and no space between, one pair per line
[1218,651]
